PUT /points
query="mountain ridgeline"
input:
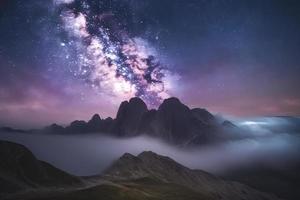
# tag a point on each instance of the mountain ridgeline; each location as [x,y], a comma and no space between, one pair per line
[173,122]
[148,176]
[21,170]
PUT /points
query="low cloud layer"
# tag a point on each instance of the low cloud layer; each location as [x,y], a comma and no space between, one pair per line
[90,154]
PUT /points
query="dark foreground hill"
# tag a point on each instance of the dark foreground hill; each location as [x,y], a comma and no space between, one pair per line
[21,170]
[284,182]
[147,176]
[156,169]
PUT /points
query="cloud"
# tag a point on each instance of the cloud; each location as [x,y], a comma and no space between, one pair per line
[91,153]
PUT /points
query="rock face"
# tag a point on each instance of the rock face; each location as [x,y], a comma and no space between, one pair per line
[165,170]
[177,123]
[19,169]
[204,116]
[129,117]
[172,122]
[95,124]
[148,122]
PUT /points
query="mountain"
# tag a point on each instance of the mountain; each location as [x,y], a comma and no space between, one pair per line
[148,176]
[95,123]
[20,170]
[204,116]
[176,123]
[129,117]
[54,128]
[172,122]
[77,126]
[163,170]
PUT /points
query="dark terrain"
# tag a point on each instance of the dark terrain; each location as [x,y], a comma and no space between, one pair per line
[282,182]
[167,123]
[146,176]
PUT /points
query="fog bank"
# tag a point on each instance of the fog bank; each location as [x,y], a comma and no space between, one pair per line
[90,154]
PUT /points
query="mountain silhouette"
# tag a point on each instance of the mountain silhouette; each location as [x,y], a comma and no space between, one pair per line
[129,117]
[172,122]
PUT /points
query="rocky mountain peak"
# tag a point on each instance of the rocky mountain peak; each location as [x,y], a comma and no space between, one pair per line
[175,121]
[151,166]
[138,102]
[172,103]
[129,116]
[95,124]
[127,156]
[172,122]
[134,104]
[96,118]
[78,123]
[148,154]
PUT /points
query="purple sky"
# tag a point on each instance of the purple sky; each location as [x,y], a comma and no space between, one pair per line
[234,58]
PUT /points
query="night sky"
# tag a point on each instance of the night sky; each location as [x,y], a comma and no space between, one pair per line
[62,60]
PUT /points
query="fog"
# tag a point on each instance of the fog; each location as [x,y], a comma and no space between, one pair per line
[269,141]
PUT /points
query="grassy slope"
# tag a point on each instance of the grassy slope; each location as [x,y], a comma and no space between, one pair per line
[144,189]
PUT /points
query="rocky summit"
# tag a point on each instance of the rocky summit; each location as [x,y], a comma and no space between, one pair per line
[172,122]
[164,170]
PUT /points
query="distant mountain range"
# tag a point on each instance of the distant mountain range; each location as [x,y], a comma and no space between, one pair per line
[173,122]
[148,176]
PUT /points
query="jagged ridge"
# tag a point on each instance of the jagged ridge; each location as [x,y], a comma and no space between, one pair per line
[173,122]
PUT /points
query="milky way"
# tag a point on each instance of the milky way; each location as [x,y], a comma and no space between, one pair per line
[110,60]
